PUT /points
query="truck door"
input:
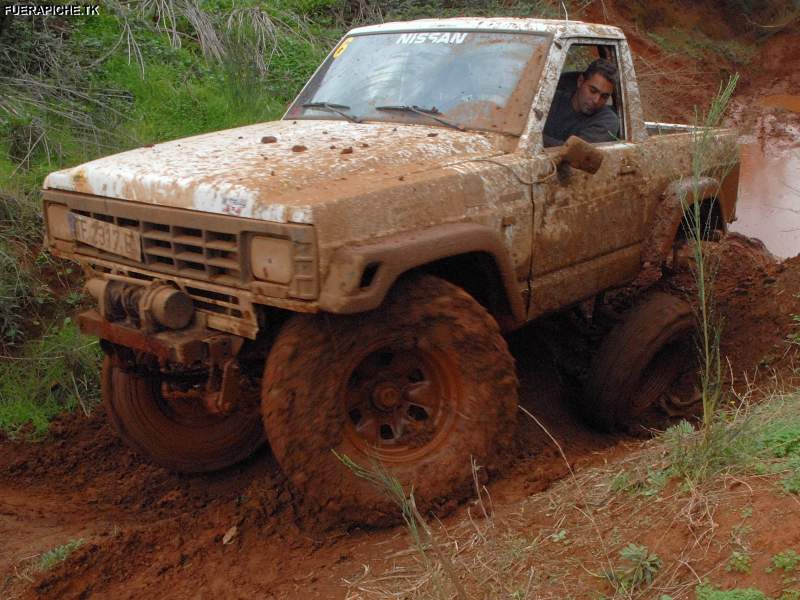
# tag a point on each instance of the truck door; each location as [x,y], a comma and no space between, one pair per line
[587,227]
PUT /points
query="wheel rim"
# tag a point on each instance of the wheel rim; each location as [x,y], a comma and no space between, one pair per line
[667,388]
[400,403]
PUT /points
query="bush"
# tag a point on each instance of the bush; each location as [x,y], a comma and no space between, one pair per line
[57,373]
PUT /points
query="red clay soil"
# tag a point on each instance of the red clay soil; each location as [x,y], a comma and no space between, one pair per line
[757,297]
[150,533]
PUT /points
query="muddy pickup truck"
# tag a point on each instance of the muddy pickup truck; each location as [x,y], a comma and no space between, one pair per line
[340,281]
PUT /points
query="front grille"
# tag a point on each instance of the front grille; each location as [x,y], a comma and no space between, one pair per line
[214,256]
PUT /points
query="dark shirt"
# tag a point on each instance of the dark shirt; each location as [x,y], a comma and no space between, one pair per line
[563,122]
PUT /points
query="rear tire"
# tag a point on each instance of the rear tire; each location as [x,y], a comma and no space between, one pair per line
[645,372]
[182,438]
[415,388]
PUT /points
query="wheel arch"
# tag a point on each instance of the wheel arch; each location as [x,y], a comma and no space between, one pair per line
[469,255]
[717,202]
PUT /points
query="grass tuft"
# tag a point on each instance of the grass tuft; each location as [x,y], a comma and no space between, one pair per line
[638,569]
[708,160]
[709,592]
[57,555]
[788,561]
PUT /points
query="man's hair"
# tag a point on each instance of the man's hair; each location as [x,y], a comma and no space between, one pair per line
[605,68]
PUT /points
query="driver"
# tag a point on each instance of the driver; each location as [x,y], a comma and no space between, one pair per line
[583,111]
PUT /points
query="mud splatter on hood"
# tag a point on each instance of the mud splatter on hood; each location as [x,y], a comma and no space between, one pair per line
[275,171]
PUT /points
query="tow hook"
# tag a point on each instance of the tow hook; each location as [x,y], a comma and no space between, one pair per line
[222,390]
[224,376]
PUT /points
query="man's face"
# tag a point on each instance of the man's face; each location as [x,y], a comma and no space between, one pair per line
[592,93]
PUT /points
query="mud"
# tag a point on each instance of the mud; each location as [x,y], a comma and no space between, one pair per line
[147,530]
[757,297]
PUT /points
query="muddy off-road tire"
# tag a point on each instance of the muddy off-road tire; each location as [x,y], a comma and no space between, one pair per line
[644,374]
[419,385]
[181,438]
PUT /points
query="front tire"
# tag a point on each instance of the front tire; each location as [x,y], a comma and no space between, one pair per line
[176,434]
[416,387]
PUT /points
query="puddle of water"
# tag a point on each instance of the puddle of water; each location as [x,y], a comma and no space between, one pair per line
[782,101]
[769,199]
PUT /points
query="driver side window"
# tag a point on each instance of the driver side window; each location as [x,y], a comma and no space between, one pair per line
[588,98]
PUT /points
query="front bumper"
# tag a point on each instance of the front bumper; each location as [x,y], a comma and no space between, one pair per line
[190,348]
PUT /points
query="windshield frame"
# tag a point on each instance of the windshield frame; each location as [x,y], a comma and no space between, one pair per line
[412,119]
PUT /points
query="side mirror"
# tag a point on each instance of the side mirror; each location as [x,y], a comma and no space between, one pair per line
[581,155]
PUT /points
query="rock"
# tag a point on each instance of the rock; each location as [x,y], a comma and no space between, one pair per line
[230,535]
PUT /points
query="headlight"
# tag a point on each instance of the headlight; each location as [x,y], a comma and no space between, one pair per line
[271,259]
[58,222]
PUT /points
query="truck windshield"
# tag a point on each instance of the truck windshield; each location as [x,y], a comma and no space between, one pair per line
[481,80]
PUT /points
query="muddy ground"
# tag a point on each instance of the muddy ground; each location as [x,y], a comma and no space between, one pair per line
[243,532]
[152,533]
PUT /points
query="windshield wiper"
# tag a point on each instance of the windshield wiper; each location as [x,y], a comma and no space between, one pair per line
[431,113]
[334,108]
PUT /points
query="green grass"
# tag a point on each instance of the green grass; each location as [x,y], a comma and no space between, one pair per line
[763,440]
[739,562]
[57,555]
[788,560]
[696,456]
[647,483]
[698,45]
[24,295]
[708,592]
[57,373]
[794,336]
[421,9]
[20,294]
[171,93]
[91,98]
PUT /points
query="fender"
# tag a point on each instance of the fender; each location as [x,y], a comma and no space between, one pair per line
[359,277]
[668,213]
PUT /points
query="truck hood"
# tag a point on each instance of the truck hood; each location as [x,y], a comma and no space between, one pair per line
[276,171]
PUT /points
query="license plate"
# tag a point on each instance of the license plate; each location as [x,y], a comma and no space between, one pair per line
[107,236]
